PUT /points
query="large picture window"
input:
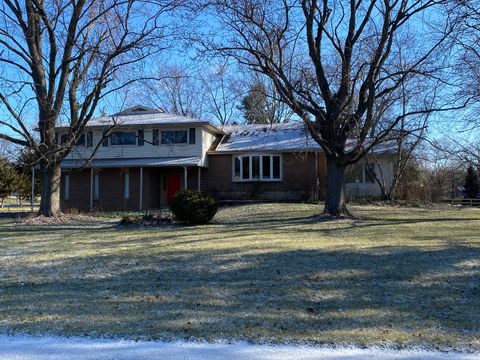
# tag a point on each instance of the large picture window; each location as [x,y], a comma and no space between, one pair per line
[123,138]
[257,168]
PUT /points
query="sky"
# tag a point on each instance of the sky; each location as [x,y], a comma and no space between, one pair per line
[446,124]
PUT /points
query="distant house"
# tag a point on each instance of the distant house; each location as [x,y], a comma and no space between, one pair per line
[150,155]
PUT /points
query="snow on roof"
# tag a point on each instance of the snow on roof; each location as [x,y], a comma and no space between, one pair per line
[276,137]
[141,115]
[144,162]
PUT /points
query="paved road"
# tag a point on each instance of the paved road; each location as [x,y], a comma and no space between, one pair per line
[45,348]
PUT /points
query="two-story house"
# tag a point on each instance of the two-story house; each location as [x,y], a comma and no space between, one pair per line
[150,155]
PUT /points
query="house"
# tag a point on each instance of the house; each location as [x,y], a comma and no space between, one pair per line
[150,155]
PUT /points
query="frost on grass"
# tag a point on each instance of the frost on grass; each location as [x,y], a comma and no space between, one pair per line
[263,273]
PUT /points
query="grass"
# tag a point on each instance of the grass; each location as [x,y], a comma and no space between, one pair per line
[396,277]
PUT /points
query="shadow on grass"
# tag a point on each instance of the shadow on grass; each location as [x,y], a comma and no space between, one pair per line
[310,295]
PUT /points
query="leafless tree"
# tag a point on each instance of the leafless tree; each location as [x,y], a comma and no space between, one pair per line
[177,92]
[62,57]
[333,62]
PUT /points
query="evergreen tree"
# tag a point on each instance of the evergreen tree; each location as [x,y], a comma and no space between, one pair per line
[8,179]
[472,186]
[255,106]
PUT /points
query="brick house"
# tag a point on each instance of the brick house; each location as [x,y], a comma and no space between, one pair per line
[150,155]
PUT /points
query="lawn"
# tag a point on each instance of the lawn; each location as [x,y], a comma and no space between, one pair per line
[397,277]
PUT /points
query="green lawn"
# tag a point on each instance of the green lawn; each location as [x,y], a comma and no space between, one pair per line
[274,273]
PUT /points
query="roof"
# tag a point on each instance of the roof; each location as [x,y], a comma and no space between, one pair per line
[123,162]
[141,115]
[288,137]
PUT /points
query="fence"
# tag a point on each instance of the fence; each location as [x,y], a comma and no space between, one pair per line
[463,202]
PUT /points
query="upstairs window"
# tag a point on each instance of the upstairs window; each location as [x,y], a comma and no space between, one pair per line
[123,138]
[257,168]
[171,137]
[81,140]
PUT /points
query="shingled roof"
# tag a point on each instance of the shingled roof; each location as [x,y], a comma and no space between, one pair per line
[290,137]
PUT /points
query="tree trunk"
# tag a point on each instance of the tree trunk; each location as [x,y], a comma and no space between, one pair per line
[335,204]
[50,194]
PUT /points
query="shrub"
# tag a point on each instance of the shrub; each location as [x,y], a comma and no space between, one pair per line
[193,207]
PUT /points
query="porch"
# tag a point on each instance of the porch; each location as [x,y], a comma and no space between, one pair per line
[118,185]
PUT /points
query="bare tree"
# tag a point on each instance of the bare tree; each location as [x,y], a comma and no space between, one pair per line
[178,92]
[333,62]
[62,57]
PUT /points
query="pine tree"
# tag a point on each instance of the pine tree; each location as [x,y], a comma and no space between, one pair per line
[472,186]
[8,177]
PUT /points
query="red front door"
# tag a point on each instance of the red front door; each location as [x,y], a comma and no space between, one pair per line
[174,183]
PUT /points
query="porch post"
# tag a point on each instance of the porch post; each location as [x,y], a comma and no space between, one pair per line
[91,188]
[185,176]
[141,188]
[199,178]
[33,188]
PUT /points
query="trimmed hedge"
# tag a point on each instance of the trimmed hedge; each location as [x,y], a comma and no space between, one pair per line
[193,207]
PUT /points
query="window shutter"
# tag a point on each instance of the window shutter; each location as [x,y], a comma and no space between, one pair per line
[89,139]
[191,136]
[140,137]
[155,137]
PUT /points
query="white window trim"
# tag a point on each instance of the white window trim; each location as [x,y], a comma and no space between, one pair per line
[261,179]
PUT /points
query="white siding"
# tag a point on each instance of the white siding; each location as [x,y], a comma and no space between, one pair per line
[203,138]
[373,189]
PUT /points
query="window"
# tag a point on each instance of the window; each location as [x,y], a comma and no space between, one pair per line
[105,142]
[63,139]
[96,186]
[140,137]
[81,140]
[191,136]
[360,173]
[266,167]
[257,168]
[174,137]
[66,187]
[126,186]
[89,139]
[370,173]
[155,137]
[56,137]
[123,138]
[237,169]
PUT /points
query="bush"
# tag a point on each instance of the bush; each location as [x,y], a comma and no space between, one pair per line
[193,207]
[147,219]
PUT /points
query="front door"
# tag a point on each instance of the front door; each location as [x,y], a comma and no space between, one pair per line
[174,184]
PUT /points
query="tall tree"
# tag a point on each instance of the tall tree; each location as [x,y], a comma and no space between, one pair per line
[8,179]
[472,186]
[261,104]
[64,56]
[333,62]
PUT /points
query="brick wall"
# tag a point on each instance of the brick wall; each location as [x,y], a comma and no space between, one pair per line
[298,183]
